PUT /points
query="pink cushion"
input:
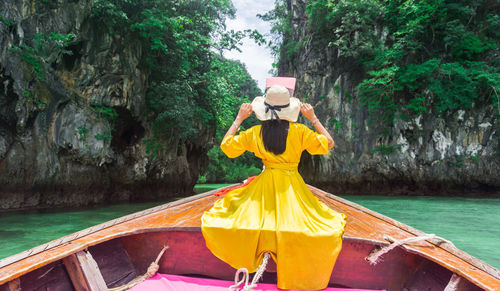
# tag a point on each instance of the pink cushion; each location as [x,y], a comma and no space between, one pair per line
[182,283]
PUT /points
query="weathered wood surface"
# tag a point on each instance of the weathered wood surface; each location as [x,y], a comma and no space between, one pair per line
[362,224]
[14,285]
[52,276]
[114,263]
[84,272]
[76,274]
[365,223]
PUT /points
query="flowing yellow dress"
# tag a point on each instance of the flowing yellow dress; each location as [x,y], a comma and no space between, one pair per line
[276,213]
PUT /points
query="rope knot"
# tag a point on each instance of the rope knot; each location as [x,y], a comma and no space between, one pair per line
[246,276]
[237,281]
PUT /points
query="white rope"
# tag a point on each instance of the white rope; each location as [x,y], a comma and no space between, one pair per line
[152,269]
[238,282]
[259,272]
[244,279]
[374,257]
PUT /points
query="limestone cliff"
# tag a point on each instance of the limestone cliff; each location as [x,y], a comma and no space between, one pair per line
[436,153]
[57,147]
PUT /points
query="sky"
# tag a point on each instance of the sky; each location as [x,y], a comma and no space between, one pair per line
[258,60]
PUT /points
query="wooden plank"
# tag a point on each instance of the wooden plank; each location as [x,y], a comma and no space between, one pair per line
[91,271]
[114,263]
[75,273]
[52,276]
[14,285]
[84,272]
[458,283]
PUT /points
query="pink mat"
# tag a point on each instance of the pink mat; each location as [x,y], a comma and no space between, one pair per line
[182,283]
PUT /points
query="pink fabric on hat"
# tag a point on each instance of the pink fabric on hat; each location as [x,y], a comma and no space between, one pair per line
[286,82]
[183,283]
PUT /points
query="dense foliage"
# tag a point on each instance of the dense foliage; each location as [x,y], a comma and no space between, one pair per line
[281,28]
[177,42]
[191,87]
[418,55]
[231,81]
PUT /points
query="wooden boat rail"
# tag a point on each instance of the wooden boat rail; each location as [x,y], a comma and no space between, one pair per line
[364,226]
[66,239]
[450,248]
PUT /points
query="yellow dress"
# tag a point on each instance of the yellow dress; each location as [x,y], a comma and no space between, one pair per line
[276,213]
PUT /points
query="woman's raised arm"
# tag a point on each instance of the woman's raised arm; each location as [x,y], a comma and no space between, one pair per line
[245,111]
[308,111]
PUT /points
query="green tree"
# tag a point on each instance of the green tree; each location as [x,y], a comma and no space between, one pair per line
[232,81]
[417,54]
[192,88]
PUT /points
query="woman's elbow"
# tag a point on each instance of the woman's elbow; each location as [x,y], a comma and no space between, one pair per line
[230,153]
[331,144]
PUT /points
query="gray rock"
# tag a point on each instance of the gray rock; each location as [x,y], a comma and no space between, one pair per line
[55,147]
[433,154]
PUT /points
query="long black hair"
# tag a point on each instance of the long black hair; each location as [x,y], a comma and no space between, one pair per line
[274,134]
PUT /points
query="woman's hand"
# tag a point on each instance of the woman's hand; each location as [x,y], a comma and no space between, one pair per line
[245,111]
[308,111]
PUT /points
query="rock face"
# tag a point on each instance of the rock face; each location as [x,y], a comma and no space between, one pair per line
[435,154]
[77,137]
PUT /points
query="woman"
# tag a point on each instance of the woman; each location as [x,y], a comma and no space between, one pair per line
[276,212]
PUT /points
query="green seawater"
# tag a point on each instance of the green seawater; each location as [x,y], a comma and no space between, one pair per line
[20,231]
[472,224]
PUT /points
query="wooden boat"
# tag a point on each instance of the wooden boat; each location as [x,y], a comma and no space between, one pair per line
[116,252]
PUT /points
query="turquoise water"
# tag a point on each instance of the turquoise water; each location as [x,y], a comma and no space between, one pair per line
[21,231]
[472,224]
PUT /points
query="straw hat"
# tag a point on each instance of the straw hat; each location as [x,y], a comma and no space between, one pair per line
[277,104]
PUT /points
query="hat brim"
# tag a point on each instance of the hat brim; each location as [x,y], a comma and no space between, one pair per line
[290,113]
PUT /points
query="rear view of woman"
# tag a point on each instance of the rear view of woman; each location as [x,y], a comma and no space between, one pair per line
[276,212]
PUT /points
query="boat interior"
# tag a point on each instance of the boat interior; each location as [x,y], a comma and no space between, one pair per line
[122,259]
[114,253]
